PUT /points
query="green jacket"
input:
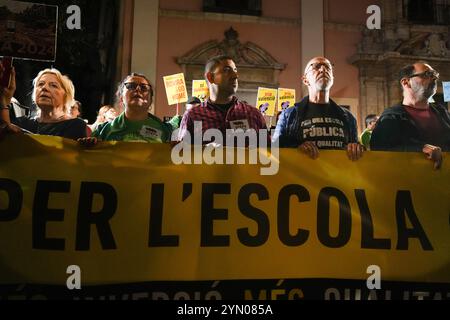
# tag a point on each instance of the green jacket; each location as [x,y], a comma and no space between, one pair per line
[151,130]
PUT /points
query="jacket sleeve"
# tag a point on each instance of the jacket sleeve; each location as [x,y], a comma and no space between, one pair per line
[174,123]
[281,134]
[186,130]
[388,136]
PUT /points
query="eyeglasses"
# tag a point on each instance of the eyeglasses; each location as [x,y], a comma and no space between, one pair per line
[426,74]
[316,66]
[142,86]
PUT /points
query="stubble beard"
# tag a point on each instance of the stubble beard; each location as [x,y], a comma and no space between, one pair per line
[424,93]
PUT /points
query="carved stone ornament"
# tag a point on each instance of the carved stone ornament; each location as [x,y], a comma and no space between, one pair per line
[247,54]
[425,45]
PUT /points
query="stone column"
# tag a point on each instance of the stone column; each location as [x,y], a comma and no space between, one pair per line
[145,39]
[312,30]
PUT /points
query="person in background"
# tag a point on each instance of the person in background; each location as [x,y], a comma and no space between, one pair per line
[75,110]
[193,102]
[365,136]
[107,113]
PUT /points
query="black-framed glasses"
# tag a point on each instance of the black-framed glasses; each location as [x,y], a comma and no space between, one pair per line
[426,74]
[317,65]
[143,87]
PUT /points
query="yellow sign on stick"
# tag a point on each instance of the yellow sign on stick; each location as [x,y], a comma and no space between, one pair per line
[266,101]
[200,89]
[175,89]
[286,98]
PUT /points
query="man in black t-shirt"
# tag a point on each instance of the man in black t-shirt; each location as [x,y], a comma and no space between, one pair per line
[317,122]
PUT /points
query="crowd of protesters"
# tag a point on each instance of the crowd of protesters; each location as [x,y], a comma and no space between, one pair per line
[313,124]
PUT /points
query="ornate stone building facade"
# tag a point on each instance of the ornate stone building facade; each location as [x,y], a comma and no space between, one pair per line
[382,53]
[272,48]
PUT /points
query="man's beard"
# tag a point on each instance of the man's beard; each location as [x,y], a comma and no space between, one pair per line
[324,83]
[424,93]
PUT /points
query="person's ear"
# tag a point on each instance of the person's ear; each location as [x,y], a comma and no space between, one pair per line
[405,82]
[210,77]
[305,81]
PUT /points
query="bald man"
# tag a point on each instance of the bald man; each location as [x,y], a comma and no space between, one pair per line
[317,122]
[415,125]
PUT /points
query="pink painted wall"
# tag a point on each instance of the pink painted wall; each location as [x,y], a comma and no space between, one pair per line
[178,36]
[186,5]
[281,9]
[348,11]
[339,47]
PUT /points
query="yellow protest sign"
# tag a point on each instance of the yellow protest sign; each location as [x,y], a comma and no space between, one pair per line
[127,216]
[286,98]
[266,101]
[200,89]
[175,88]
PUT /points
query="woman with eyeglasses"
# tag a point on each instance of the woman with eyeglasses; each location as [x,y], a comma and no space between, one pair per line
[135,123]
[53,94]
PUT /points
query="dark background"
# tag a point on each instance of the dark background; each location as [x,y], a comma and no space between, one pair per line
[87,56]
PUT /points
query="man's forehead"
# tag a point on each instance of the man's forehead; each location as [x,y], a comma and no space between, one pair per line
[422,67]
[318,59]
[226,62]
[136,79]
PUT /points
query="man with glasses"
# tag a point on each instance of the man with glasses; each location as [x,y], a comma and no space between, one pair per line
[222,110]
[415,125]
[135,95]
[317,122]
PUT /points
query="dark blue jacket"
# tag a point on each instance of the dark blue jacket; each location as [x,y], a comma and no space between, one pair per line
[287,131]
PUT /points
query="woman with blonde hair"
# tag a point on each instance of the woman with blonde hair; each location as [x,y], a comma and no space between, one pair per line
[53,93]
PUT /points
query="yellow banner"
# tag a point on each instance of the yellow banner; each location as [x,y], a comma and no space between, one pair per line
[124,213]
[175,88]
[266,101]
[286,98]
[200,89]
